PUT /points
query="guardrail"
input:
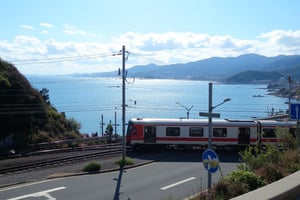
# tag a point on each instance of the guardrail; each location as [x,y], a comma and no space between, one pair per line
[283,189]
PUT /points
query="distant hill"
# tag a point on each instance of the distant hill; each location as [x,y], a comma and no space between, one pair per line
[218,68]
[255,77]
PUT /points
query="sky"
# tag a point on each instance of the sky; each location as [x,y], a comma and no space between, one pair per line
[65,37]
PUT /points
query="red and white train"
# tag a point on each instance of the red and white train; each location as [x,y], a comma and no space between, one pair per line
[144,132]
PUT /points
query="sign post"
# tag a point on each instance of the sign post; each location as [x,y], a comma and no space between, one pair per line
[210,115]
[295,115]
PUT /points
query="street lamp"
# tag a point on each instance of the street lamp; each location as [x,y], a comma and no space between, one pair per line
[210,109]
[187,109]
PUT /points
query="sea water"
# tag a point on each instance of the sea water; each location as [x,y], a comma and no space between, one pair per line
[89,100]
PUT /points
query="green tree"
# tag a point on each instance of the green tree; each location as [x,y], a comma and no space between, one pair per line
[109,131]
[73,124]
[45,94]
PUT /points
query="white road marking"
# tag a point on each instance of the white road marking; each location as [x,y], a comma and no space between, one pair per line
[26,184]
[44,193]
[177,183]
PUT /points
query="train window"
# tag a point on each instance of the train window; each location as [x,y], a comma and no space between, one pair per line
[129,129]
[269,133]
[196,132]
[173,131]
[220,132]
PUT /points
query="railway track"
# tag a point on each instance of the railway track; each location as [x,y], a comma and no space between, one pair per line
[60,160]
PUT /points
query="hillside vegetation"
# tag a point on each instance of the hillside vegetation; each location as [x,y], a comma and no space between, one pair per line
[255,77]
[26,115]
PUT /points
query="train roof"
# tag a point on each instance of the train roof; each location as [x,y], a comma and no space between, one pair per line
[277,123]
[176,121]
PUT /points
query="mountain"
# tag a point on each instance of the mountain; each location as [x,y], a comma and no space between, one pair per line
[215,68]
[282,68]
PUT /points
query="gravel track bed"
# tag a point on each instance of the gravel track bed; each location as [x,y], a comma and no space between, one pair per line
[40,157]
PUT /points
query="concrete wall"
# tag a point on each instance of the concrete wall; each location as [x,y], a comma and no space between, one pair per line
[287,188]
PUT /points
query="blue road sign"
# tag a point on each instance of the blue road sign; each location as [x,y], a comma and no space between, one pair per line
[210,160]
[295,111]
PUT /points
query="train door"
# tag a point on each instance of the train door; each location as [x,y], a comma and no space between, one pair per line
[150,134]
[244,135]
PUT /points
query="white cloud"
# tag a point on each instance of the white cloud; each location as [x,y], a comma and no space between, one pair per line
[45,32]
[159,48]
[46,25]
[288,42]
[28,27]
[72,30]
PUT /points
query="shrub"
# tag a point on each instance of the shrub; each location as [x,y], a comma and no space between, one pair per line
[250,179]
[92,167]
[287,141]
[41,137]
[228,190]
[255,157]
[71,135]
[270,173]
[290,161]
[252,158]
[126,161]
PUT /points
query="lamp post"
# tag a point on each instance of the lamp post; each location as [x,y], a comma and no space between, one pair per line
[187,109]
[210,109]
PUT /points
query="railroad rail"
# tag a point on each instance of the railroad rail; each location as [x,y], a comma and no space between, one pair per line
[61,159]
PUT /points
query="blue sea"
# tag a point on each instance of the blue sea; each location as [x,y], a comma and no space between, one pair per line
[87,99]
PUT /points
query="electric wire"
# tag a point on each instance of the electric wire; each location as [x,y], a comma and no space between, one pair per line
[62,59]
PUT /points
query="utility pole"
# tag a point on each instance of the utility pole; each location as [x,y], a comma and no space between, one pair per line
[123,104]
[123,52]
[102,124]
[115,123]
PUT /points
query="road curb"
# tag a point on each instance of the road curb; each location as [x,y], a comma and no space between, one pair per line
[58,175]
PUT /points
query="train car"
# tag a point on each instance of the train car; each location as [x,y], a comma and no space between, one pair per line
[193,133]
[267,130]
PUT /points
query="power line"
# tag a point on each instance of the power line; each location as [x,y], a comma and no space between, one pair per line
[61,59]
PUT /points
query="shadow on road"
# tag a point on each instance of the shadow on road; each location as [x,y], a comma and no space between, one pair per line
[183,155]
[118,186]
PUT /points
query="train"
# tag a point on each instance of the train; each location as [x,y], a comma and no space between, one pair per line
[194,133]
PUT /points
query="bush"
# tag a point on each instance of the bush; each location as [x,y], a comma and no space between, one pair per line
[290,161]
[126,161]
[92,167]
[255,157]
[287,141]
[41,137]
[223,190]
[251,158]
[228,190]
[270,173]
[250,179]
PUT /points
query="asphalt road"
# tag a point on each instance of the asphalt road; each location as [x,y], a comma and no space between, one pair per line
[171,177]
